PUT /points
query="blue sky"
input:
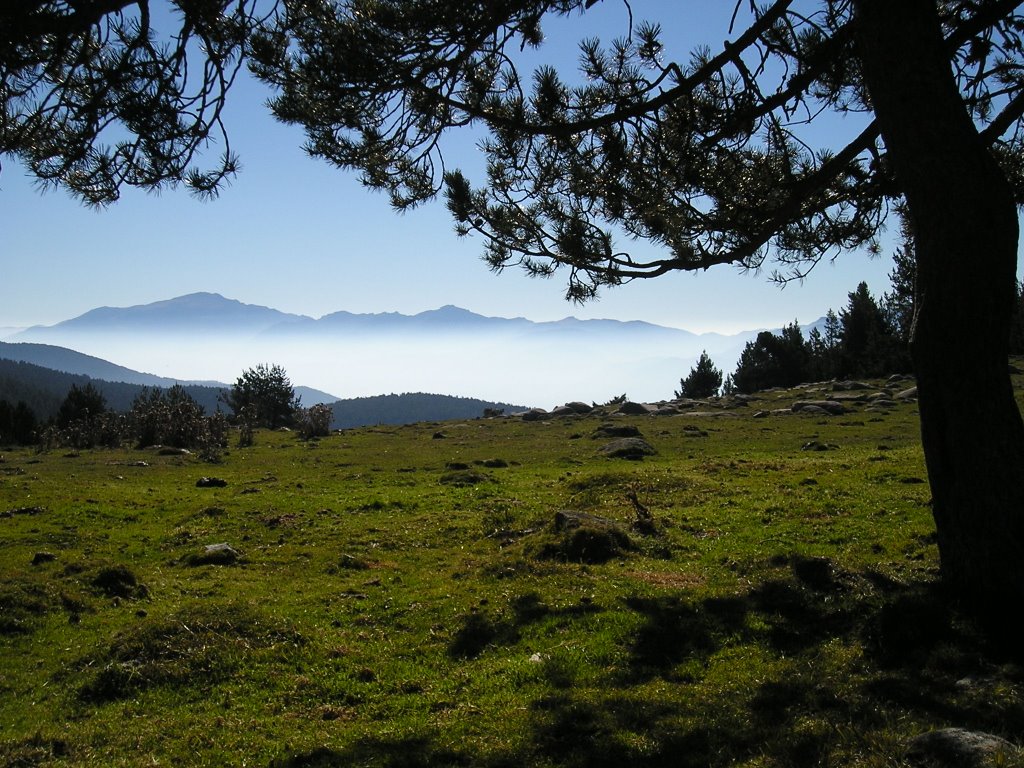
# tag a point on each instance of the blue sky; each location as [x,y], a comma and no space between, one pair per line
[294,234]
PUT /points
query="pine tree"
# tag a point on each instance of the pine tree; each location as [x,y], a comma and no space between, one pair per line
[266,392]
[81,403]
[704,379]
[772,360]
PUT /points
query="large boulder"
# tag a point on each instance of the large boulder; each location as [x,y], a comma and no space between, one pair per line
[959,748]
[579,407]
[633,448]
[829,406]
[630,408]
[535,414]
[562,410]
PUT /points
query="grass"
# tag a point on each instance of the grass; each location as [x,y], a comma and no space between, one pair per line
[398,599]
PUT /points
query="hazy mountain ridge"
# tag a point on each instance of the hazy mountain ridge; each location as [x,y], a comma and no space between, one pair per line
[215,313]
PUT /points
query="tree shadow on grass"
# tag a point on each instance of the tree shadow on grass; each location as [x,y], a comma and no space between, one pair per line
[913,655]
[565,732]
[479,630]
[795,614]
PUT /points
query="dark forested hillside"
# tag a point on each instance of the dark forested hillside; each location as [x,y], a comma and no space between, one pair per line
[410,408]
[43,389]
[32,385]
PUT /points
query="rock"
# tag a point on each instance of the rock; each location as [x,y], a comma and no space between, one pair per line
[829,406]
[907,394]
[958,748]
[215,554]
[635,409]
[535,414]
[439,436]
[881,404]
[814,445]
[43,557]
[22,511]
[847,386]
[633,448]
[562,410]
[211,482]
[814,410]
[665,410]
[579,407]
[617,430]
[850,397]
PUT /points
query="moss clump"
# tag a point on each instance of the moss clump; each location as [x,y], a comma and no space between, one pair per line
[119,581]
[200,647]
[581,538]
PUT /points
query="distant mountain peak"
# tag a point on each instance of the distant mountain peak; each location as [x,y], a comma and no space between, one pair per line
[202,310]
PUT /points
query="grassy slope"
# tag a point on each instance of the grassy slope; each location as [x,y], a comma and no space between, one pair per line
[391,610]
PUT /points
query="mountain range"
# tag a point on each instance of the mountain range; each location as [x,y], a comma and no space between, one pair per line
[206,337]
[211,312]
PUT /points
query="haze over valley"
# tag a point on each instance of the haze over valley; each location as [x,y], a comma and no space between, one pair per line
[206,337]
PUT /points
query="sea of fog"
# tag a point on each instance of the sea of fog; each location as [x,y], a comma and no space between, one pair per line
[527,372]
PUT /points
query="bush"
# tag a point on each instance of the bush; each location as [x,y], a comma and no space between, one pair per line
[174,418]
[314,421]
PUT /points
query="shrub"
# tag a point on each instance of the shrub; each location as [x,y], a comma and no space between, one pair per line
[314,421]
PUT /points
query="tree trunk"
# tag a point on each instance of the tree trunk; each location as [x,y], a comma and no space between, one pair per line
[964,219]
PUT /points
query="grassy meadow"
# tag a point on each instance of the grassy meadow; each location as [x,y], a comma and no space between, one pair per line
[760,592]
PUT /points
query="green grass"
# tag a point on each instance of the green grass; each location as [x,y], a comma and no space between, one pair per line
[400,599]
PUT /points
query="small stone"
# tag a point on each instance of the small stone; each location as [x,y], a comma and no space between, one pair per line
[211,482]
[814,445]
